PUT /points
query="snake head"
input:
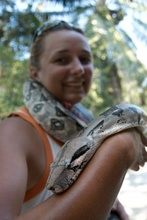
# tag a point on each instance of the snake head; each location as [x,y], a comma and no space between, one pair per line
[65,172]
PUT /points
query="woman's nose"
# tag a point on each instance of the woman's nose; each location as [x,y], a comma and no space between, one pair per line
[77,67]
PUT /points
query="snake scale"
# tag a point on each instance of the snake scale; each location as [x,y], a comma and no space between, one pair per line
[76,153]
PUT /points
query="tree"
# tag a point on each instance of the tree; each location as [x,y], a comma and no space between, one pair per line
[113,49]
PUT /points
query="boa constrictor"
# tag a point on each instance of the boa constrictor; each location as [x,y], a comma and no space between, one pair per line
[76,153]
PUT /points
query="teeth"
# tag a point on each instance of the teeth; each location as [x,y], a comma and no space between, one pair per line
[75,84]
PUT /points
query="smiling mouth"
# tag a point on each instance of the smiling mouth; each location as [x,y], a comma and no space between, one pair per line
[74,84]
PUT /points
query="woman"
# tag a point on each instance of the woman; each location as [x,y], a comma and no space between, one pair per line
[61,73]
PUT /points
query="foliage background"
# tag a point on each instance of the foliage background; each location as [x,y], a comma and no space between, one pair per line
[119,74]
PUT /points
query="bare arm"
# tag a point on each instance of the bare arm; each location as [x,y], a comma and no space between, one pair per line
[90,197]
[17,155]
[93,194]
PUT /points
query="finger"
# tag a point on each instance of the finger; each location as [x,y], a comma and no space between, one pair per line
[145,158]
[141,160]
[135,167]
[142,163]
[144,140]
[144,153]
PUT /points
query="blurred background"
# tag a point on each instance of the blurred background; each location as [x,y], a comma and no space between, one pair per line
[133,194]
[117,33]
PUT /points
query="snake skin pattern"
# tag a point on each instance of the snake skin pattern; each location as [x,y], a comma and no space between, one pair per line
[54,118]
[76,153]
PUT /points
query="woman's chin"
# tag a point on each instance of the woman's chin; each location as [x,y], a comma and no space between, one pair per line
[75,99]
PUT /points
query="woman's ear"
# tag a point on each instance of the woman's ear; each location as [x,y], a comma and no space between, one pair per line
[34,73]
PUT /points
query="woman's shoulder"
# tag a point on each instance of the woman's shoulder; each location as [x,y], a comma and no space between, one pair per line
[16,126]
[17,133]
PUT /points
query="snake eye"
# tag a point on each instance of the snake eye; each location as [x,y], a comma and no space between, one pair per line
[82,150]
[76,162]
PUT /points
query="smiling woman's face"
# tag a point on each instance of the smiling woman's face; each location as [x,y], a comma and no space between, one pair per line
[66,67]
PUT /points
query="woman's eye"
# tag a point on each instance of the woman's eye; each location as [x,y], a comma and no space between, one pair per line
[85,60]
[62,60]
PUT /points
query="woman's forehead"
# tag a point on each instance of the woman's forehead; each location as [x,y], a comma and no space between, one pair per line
[64,39]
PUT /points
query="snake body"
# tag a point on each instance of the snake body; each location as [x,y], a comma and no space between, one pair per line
[76,153]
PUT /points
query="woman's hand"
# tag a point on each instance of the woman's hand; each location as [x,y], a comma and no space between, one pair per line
[141,158]
[118,207]
[139,143]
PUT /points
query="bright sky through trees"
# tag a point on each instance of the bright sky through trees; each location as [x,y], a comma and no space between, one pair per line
[126,24]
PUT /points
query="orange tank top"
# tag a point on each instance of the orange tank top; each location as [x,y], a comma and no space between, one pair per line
[24,113]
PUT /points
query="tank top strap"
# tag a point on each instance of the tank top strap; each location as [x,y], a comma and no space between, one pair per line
[24,113]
